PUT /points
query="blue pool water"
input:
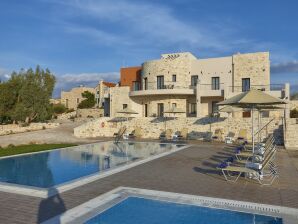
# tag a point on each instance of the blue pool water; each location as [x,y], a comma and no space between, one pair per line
[138,210]
[47,169]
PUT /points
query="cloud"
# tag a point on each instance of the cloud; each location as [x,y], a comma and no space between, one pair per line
[4,74]
[286,67]
[68,81]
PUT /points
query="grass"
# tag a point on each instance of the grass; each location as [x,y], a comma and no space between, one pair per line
[20,149]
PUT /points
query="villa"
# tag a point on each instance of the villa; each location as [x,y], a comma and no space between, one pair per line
[196,85]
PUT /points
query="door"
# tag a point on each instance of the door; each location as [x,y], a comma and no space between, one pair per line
[160,109]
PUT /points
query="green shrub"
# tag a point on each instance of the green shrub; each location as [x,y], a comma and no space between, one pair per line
[89,100]
[59,108]
[294,113]
[10,146]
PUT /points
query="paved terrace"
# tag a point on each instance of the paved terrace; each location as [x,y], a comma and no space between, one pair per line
[190,171]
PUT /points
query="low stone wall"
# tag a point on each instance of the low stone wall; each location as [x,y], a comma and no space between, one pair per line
[15,128]
[291,133]
[66,116]
[198,128]
[90,113]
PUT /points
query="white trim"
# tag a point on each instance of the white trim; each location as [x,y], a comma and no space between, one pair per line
[48,192]
[92,208]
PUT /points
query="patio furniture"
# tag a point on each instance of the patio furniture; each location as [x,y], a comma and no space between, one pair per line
[136,133]
[230,138]
[242,136]
[265,175]
[166,135]
[118,135]
[182,135]
[218,135]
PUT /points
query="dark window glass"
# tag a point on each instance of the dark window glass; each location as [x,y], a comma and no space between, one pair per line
[160,82]
[194,80]
[214,107]
[245,84]
[215,83]
[145,83]
[124,106]
[173,78]
[160,110]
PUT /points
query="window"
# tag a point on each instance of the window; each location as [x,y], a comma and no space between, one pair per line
[246,114]
[174,105]
[145,83]
[135,86]
[173,78]
[146,110]
[215,83]
[214,108]
[78,100]
[124,106]
[160,82]
[245,84]
[160,110]
[194,80]
[192,108]
[265,114]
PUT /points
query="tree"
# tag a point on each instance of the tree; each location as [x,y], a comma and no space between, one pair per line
[59,108]
[89,100]
[26,95]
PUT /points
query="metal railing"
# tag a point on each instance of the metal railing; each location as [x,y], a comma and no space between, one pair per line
[271,87]
[163,85]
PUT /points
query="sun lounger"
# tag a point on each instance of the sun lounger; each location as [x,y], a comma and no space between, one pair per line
[166,135]
[265,175]
[182,135]
[230,138]
[218,135]
[136,133]
[119,134]
[242,136]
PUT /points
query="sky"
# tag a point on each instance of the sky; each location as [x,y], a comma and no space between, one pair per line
[83,41]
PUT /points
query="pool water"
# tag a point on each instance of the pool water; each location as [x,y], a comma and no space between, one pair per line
[135,210]
[47,169]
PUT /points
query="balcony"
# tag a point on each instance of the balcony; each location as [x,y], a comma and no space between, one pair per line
[211,90]
[171,88]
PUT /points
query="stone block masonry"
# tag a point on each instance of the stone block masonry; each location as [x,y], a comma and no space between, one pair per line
[198,128]
[14,128]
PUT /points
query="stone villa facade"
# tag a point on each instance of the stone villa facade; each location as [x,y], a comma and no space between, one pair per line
[194,85]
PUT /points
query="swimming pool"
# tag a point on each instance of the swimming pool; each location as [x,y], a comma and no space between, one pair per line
[55,168]
[134,210]
[134,205]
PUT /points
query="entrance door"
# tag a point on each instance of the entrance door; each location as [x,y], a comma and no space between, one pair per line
[160,109]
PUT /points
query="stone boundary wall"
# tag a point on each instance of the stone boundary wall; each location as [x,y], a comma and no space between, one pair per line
[95,113]
[198,128]
[15,128]
[66,116]
[291,133]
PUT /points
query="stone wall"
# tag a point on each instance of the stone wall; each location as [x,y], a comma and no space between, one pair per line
[15,128]
[92,113]
[255,66]
[72,98]
[66,116]
[198,128]
[291,133]
[293,104]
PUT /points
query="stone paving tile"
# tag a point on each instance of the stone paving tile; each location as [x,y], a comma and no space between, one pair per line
[191,171]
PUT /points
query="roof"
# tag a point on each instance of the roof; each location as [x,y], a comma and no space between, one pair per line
[109,84]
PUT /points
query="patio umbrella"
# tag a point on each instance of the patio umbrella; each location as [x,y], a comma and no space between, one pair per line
[173,111]
[251,99]
[127,111]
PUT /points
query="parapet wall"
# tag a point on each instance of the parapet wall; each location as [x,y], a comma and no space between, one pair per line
[198,128]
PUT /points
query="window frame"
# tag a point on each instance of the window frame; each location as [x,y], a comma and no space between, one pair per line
[215,83]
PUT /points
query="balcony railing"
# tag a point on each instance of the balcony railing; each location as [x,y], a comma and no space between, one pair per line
[271,87]
[164,85]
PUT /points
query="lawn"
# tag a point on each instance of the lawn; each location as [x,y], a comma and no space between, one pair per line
[14,150]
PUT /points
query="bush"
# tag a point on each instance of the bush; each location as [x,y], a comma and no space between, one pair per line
[294,113]
[10,146]
[89,100]
[59,108]
[70,110]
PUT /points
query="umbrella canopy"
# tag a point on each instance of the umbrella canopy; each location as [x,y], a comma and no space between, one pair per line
[127,111]
[230,109]
[175,111]
[252,97]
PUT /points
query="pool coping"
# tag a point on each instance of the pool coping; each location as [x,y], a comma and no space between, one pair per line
[93,207]
[57,189]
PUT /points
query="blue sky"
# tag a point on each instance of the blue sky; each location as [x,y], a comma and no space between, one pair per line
[82,41]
